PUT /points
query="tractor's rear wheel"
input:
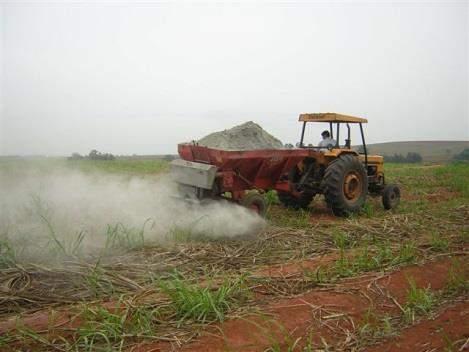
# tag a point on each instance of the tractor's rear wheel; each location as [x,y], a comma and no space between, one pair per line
[290,201]
[345,185]
[255,202]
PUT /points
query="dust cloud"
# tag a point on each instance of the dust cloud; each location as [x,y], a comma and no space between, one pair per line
[73,212]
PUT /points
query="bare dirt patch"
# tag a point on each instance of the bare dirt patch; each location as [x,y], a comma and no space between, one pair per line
[297,267]
[450,330]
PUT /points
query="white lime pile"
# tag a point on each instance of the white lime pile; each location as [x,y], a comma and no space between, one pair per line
[246,136]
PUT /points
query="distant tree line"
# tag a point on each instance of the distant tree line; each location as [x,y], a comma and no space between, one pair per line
[463,156]
[93,155]
[399,158]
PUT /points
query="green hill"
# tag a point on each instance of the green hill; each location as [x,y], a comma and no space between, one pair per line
[433,151]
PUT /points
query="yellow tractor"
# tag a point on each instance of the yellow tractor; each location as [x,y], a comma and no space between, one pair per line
[344,175]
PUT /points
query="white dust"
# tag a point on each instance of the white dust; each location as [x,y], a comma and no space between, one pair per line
[39,210]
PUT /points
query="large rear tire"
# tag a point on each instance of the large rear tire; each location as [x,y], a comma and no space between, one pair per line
[290,201]
[345,185]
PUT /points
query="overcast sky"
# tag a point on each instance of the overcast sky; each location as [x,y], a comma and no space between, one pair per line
[138,77]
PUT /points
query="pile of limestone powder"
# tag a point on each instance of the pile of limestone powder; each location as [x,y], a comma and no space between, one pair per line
[246,136]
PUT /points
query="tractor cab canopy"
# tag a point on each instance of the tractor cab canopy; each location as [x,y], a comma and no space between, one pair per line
[334,119]
[330,117]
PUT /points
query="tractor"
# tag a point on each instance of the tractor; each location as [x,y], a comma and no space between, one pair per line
[343,174]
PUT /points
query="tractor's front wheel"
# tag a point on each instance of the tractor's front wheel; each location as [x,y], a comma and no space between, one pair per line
[391,196]
[345,185]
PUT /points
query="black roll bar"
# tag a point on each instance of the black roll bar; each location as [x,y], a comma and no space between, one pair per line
[338,131]
[302,134]
[364,146]
[348,142]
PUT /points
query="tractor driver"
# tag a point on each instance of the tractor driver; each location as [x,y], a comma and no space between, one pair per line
[327,141]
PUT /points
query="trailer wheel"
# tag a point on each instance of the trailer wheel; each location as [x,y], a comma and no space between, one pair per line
[391,196]
[255,202]
[290,201]
[345,185]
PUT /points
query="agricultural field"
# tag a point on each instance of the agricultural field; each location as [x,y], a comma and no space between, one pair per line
[134,280]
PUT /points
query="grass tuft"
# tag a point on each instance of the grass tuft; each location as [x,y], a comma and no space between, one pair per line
[342,240]
[97,282]
[106,329]
[202,303]
[271,198]
[419,301]
[458,278]
[438,243]
[407,253]
[119,236]
[7,254]
[375,326]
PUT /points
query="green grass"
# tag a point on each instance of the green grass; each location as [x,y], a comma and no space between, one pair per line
[189,233]
[119,166]
[104,329]
[6,340]
[119,236]
[438,243]
[420,301]
[368,210]
[419,180]
[271,198]
[203,304]
[97,282]
[61,247]
[455,177]
[7,254]
[458,278]
[100,327]
[290,218]
[464,236]
[183,234]
[407,253]
[375,326]
[372,257]
[365,260]
[342,240]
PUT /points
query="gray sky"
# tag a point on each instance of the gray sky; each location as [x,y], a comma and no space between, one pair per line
[138,77]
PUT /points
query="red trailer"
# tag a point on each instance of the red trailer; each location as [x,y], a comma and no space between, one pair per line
[237,172]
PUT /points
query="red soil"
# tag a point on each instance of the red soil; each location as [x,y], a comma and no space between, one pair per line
[50,319]
[296,267]
[327,314]
[449,327]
